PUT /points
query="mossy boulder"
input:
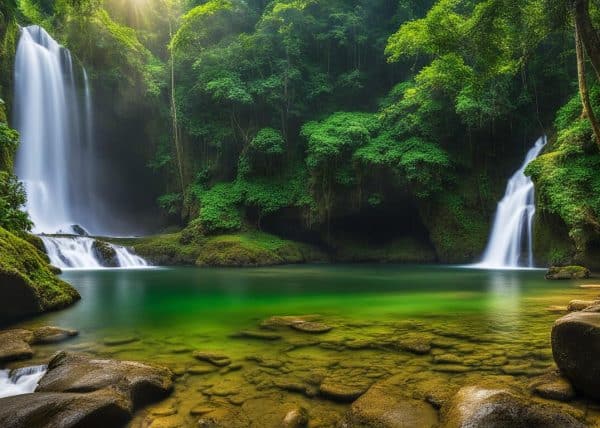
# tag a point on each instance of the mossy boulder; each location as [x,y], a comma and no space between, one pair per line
[27,282]
[568,272]
[105,253]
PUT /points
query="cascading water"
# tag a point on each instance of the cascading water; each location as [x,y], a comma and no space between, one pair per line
[512,230]
[20,381]
[56,159]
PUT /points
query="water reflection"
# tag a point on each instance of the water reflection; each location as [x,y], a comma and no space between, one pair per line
[504,299]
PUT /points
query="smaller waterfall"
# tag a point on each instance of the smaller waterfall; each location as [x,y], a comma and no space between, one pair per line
[514,218]
[20,381]
[75,252]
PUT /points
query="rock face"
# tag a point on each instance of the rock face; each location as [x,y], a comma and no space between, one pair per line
[576,346]
[568,272]
[105,253]
[28,284]
[80,391]
[474,406]
[379,409]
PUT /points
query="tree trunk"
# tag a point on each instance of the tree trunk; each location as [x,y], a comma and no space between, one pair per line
[583,90]
[178,148]
[588,34]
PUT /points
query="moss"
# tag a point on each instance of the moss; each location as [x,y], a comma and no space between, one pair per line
[243,249]
[105,253]
[405,250]
[551,243]
[28,283]
[568,272]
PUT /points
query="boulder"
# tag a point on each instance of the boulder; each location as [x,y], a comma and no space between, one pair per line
[105,254]
[105,408]
[139,383]
[29,286]
[475,406]
[553,386]
[567,272]
[579,305]
[295,418]
[576,346]
[79,230]
[14,345]
[378,408]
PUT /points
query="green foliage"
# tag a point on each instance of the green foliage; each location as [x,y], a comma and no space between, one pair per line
[12,200]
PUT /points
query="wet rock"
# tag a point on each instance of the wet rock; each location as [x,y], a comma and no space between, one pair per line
[14,345]
[201,410]
[260,335]
[380,408]
[218,360]
[414,346]
[48,334]
[78,230]
[263,362]
[447,359]
[295,418]
[286,321]
[593,308]
[311,327]
[579,305]
[200,370]
[231,368]
[590,286]
[553,386]
[118,341]
[567,272]
[71,372]
[475,406]
[336,391]
[105,254]
[105,408]
[576,347]
[450,368]
[556,309]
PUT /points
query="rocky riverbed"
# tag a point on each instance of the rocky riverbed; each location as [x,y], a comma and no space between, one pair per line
[310,370]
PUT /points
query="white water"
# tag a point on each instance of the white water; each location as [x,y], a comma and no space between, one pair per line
[78,253]
[20,381]
[512,230]
[56,159]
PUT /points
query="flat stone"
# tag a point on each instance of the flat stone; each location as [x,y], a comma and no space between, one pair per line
[380,407]
[554,387]
[339,392]
[118,341]
[218,360]
[418,347]
[49,334]
[556,309]
[201,410]
[312,327]
[259,335]
[164,411]
[447,359]
[590,286]
[14,345]
[579,305]
[450,368]
[287,321]
[200,370]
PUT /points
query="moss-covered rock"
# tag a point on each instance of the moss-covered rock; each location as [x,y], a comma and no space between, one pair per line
[243,249]
[568,272]
[105,253]
[27,282]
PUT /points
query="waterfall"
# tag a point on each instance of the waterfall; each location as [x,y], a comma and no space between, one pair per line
[20,381]
[82,253]
[56,160]
[512,229]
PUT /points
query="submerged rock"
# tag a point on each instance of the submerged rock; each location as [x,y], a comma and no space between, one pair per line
[382,408]
[553,386]
[311,327]
[567,272]
[576,347]
[218,360]
[337,391]
[579,305]
[295,418]
[260,335]
[14,345]
[49,334]
[475,406]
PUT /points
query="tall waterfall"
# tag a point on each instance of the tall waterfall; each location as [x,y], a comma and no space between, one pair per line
[512,230]
[56,159]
